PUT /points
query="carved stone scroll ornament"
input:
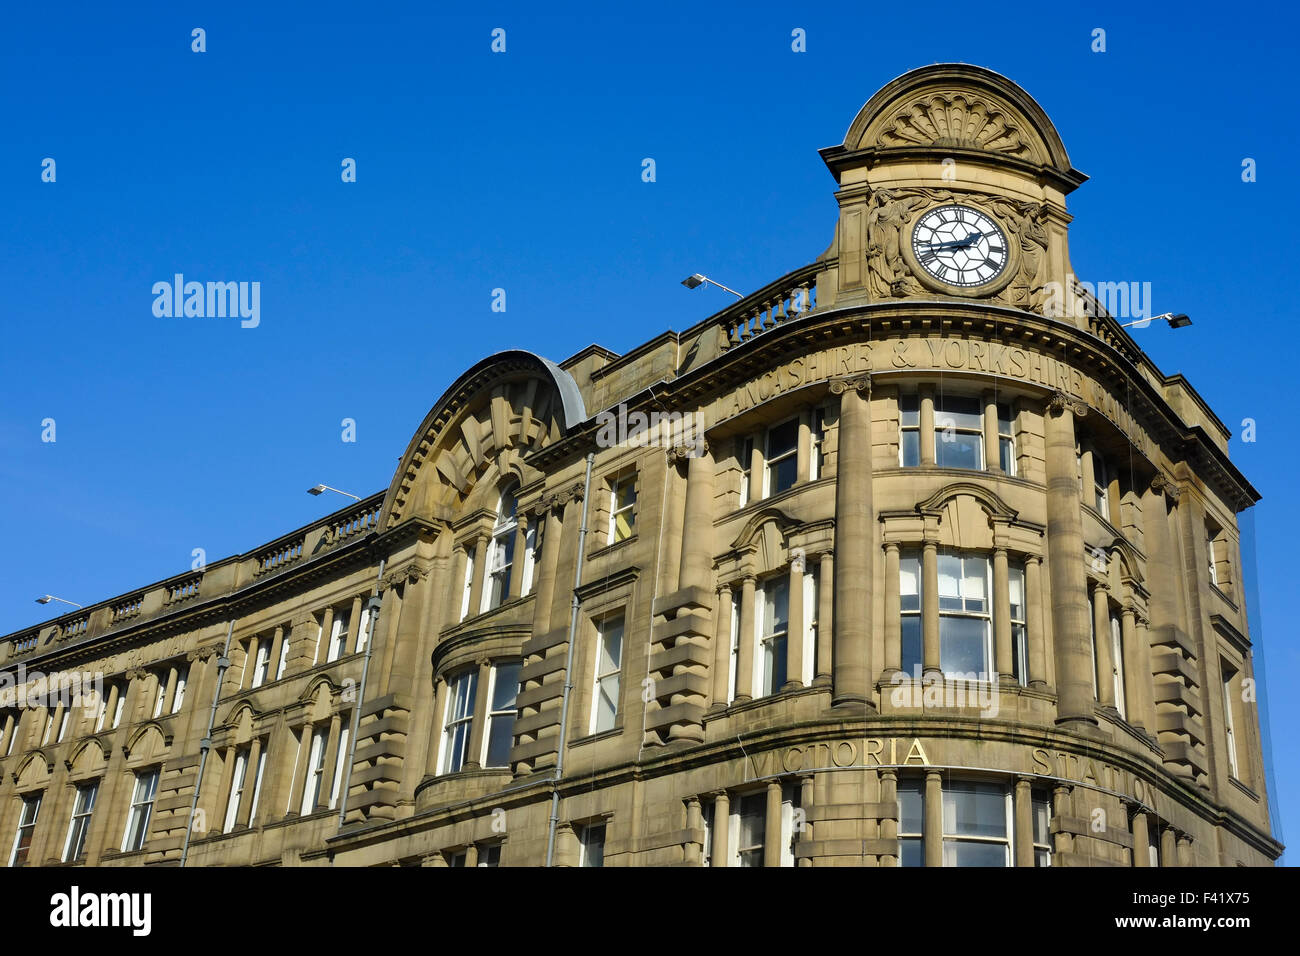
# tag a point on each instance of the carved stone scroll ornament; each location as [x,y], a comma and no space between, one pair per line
[860,383]
[558,499]
[1060,403]
[1163,485]
[696,448]
[411,574]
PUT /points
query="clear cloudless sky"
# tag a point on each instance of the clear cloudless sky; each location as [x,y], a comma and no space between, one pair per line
[522,171]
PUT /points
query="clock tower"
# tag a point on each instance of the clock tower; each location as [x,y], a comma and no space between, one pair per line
[952,184]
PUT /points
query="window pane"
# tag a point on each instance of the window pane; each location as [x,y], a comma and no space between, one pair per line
[500,738]
[506,686]
[1006,455]
[783,439]
[1005,422]
[783,475]
[962,645]
[911,640]
[1042,818]
[974,809]
[776,605]
[959,853]
[949,582]
[954,449]
[1016,586]
[774,658]
[911,807]
[975,571]
[909,583]
[911,852]
[909,409]
[611,646]
[961,411]
[911,449]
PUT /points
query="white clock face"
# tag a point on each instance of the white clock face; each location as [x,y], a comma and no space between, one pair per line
[960,246]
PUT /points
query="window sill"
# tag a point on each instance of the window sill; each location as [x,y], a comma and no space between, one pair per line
[606,549]
[1223,594]
[614,731]
[1243,788]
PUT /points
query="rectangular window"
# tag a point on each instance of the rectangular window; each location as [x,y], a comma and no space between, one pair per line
[363,628]
[1042,814]
[1092,641]
[817,451]
[1229,675]
[236,791]
[137,819]
[160,697]
[909,590]
[121,705]
[609,666]
[8,727]
[591,845]
[1006,439]
[965,622]
[911,822]
[958,432]
[63,723]
[82,808]
[262,662]
[774,636]
[622,508]
[750,822]
[811,608]
[746,469]
[178,696]
[1101,485]
[340,763]
[532,555]
[49,726]
[503,690]
[782,458]
[1019,631]
[501,552]
[315,771]
[490,855]
[26,827]
[456,722]
[733,670]
[909,430]
[338,636]
[976,824]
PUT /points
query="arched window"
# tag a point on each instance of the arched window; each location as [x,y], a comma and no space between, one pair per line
[501,554]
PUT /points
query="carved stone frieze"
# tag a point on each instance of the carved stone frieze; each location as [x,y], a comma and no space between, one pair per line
[956,120]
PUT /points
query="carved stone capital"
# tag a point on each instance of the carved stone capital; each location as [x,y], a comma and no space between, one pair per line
[1060,403]
[856,383]
[411,574]
[1162,484]
[687,450]
[560,498]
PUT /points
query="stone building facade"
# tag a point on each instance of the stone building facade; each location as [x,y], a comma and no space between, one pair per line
[916,567]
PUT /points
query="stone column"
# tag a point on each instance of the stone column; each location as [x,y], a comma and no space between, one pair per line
[926,398]
[1087,477]
[893,615]
[471,856]
[795,629]
[250,664]
[1141,840]
[519,558]
[1034,625]
[1135,681]
[277,648]
[694,823]
[329,761]
[1184,849]
[326,636]
[1023,808]
[992,459]
[756,470]
[110,710]
[803,455]
[721,830]
[1065,551]
[772,826]
[545,588]
[933,832]
[245,813]
[1003,654]
[1145,677]
[1101,638]
[722,648]
[806,800]
[889,825]
[456,592]
[825,617]
[930,663]
[852,669]
[697,548]
[745,654]
[169,694]
[481,547]
[1168,847]
[439,720]
[299,778]
[477,728]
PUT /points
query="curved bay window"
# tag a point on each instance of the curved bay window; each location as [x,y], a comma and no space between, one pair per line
[975,825]
[501,551]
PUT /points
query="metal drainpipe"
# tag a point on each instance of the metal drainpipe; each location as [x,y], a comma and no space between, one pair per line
[223,662]
[568,670]
[373,605]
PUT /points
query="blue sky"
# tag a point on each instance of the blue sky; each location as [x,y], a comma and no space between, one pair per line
[523,171]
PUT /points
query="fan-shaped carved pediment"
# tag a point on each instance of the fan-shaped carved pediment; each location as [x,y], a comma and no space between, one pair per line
[90,755]
[497,414]
[1129,566]
[33,771]
[146,742]
[987,500]
[957,121]
[765,535]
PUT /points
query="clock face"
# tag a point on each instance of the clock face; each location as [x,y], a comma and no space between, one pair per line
[960,246]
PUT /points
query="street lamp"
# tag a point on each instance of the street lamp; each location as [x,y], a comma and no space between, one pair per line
[47,598]
[1175,320]
[697,280]
[321,489]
